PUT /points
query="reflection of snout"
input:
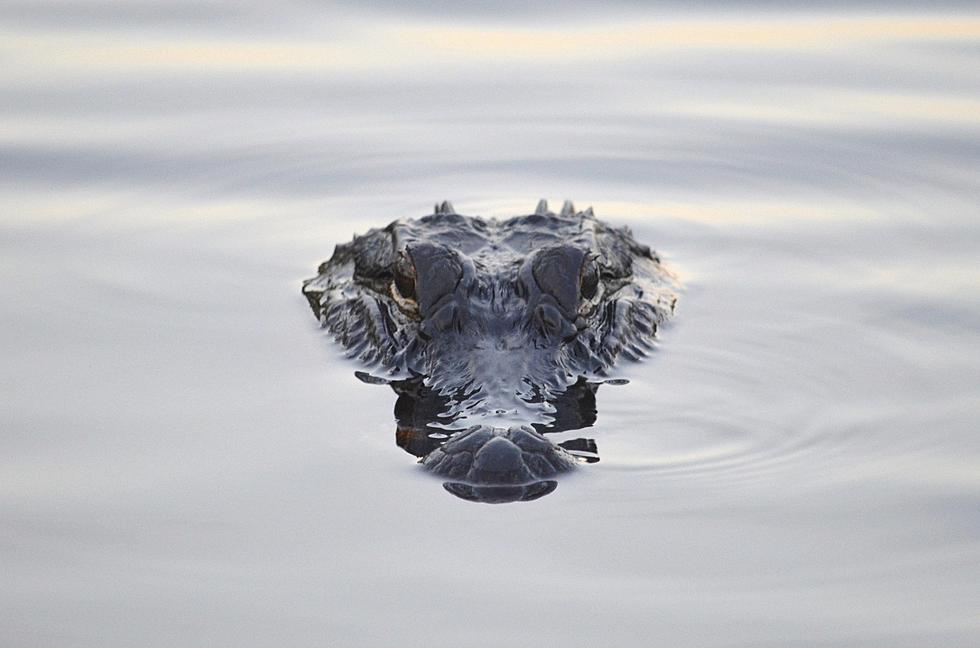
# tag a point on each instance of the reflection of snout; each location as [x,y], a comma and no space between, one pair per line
[501,494]
[483,456]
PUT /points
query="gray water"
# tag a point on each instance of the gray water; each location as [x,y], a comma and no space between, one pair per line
[187,460]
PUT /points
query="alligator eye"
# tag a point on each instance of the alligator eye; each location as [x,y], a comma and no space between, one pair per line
[589,280]
[404,272]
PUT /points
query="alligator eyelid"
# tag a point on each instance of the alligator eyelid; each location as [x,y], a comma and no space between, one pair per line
[408,305]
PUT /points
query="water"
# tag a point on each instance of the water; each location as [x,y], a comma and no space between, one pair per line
[186,460]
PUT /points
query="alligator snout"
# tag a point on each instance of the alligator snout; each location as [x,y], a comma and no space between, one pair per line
[496,464]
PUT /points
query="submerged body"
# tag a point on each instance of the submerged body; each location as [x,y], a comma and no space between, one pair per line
[497,320]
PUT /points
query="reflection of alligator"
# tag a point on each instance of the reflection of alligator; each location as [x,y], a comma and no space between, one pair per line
[493,333]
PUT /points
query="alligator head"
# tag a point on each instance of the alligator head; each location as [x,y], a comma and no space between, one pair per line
[492,327]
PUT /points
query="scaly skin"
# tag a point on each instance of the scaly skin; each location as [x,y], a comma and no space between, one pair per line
[497,319]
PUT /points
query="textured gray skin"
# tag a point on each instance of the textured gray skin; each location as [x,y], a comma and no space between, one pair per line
[498,316]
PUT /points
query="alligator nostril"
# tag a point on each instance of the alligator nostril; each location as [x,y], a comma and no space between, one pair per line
[488,456]
[470,440]
[498,455]
[528,440]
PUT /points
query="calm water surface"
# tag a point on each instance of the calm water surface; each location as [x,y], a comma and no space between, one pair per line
[186,460]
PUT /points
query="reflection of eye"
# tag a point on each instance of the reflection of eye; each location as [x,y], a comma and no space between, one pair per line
[589,281]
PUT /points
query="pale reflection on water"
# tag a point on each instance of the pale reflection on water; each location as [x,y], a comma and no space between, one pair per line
[185,459]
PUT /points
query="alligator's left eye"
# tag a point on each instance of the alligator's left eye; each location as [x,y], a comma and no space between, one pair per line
[424,274]
[403,284]
[589,279]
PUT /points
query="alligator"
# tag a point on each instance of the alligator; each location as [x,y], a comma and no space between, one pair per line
[493,333]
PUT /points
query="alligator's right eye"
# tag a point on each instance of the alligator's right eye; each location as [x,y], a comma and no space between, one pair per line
[404,272]
[588,279]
